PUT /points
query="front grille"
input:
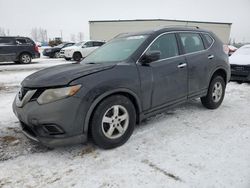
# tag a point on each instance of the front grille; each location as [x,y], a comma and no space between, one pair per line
[240,68]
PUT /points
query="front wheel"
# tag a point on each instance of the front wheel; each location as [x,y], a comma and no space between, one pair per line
[77,56]
[216,92]
[57,55]
[113,122]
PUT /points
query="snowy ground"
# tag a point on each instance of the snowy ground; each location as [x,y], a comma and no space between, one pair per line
[188,146]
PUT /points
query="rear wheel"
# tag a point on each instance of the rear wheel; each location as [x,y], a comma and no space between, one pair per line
[215,95]
[25,58]
[77,56]
[113,122]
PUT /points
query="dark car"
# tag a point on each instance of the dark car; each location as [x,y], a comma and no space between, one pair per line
[54,52]
[240,64]
[18,49]
[130,78]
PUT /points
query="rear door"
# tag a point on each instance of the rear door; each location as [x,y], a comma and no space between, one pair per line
[7,49]
[198,59]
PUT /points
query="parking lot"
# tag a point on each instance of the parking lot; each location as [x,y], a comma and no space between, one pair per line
[188,146]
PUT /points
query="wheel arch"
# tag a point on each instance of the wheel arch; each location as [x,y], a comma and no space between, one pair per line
[24,52]
[219,72]
[123,91]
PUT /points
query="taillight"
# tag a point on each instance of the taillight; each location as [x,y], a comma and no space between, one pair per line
[36,48]
[226,49]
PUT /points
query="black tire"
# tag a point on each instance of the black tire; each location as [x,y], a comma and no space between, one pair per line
[97,127]
[57,55]
[67,59]
[77,56]
[25,58]
[212,99]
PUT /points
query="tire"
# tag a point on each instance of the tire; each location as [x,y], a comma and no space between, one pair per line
[57,55]
[113,122]
[216,93]
[25,58]
[17,62]
[77,56]
[67,59]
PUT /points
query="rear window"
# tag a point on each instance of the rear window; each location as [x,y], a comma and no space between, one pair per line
[192,42]
[208,39]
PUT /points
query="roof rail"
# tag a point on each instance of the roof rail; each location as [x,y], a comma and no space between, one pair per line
[196,27]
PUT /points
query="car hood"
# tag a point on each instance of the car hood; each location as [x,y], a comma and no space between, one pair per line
[62,75]
[237,59]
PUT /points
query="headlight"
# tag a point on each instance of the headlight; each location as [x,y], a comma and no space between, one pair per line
[51,95]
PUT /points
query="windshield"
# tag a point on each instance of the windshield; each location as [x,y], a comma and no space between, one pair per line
[59,46]
[118,49]
[243,50]
[79,44]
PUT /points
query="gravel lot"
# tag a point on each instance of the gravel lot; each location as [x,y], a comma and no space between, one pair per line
[188,146]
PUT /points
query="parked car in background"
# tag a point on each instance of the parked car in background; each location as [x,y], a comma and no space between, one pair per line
[18,49]
[54,52]
[81,50]
[132,77]
[240,64]
[62,51]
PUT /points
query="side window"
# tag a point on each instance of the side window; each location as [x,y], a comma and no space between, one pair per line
[21,41]
[88,44]
[209,39]
[191,42]
[6,41]
[167,45]
[98,43]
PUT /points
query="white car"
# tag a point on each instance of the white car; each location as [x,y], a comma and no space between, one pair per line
[240,64]
[80,50]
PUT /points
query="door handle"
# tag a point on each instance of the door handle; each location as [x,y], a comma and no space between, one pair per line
[210,57]
[182,65]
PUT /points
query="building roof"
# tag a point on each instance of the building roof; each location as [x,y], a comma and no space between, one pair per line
[138,20]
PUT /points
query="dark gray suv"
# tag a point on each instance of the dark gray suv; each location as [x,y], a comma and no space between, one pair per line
[18,49]
[128,79]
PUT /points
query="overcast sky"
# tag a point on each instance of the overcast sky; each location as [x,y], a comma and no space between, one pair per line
[72,16]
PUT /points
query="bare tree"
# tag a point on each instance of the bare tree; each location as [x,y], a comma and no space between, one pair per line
[2,32]
[34,34]
[80,36]
[39,34]
[73,37]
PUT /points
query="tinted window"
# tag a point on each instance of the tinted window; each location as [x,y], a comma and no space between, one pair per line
[98,43]
[191,42]
[208,39]
[89,44]
[21,41]
[7,41]
[167,45]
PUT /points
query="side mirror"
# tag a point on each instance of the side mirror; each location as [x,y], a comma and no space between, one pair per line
[150,57]
[84,46]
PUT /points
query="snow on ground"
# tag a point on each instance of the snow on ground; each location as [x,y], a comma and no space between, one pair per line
[188,146]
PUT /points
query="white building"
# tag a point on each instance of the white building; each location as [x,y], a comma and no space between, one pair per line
[107,29]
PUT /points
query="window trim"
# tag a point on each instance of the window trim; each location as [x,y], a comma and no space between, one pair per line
[180,50]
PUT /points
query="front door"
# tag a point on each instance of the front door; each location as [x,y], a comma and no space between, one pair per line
[169,73]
